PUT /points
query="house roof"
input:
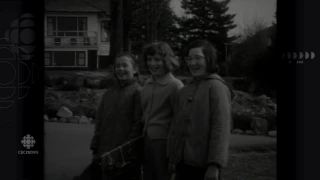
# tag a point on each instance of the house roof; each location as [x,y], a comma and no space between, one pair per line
[78,6]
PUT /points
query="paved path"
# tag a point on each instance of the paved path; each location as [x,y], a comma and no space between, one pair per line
[67,148]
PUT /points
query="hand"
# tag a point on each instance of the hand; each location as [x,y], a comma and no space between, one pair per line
[171,168]
[212,173]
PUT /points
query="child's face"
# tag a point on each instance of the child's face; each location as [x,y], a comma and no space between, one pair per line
[197,62]
[156,65]
[124,69]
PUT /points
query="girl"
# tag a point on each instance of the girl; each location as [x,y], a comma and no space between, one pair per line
[157,100]
[199,136]
[118,111]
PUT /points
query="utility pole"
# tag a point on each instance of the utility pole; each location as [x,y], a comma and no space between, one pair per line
[226,56]
[120,27]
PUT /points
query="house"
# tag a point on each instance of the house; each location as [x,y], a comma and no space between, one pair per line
[77,34]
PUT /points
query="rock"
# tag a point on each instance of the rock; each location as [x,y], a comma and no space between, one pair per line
[259,125]
[249,132]
[84,120]
[74,119]
[54,120]
[272,133]
[273,106]
[46,118]
[237,131]
[91,121]
[64,112]
[63,120]
[264,97]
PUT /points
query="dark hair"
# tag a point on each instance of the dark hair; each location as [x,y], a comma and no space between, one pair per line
[210,53]
[165,51]
[134,61]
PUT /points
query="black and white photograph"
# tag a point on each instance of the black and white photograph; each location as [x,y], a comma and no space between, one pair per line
[160,89]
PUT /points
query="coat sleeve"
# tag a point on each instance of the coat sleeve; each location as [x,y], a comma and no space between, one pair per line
[95,140]
[175,90]
[220,117]
[136,129]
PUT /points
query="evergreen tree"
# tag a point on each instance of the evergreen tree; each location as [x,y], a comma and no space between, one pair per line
[151,20]
[207,19]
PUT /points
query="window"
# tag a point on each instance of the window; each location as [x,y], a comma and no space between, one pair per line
[66,26]
[51,26]
[81,59]
[105,31]
[65,58]
[48,58]
[82,26]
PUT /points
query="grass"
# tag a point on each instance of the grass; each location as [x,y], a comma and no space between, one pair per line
[251,165]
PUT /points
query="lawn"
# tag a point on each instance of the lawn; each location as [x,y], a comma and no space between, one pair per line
[251,165]
[67,154]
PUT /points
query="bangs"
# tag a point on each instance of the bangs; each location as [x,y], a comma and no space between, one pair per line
[154,49]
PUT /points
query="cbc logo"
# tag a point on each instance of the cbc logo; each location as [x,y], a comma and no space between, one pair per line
[28,141]
[17,68]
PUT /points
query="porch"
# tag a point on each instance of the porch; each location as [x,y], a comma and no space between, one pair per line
[71,39]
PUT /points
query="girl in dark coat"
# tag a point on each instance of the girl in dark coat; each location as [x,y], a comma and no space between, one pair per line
[117,116]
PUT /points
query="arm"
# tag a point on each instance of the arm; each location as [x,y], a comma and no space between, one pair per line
[137,126]
[173,97]
[174,102]
[220,108]
[95,140]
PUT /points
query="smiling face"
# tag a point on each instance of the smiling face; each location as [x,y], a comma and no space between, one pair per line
[156,65]
[124,69]
[196,62]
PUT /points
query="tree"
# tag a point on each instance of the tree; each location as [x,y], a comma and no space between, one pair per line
[151,21]
[251,28]
[207,19]
[251,45]
[255,57]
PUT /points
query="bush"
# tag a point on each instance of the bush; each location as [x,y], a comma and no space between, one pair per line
[241,121]
[92,83]
[48,81]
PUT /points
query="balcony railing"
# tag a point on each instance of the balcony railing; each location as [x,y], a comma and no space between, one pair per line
[71,39]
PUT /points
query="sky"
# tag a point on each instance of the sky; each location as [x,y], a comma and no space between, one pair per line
[246,11]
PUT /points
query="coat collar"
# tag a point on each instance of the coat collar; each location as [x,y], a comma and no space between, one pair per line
[122,84]
[163,81]
[208,77]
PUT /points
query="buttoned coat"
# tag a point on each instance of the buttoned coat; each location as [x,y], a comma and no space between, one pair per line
[199,134]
